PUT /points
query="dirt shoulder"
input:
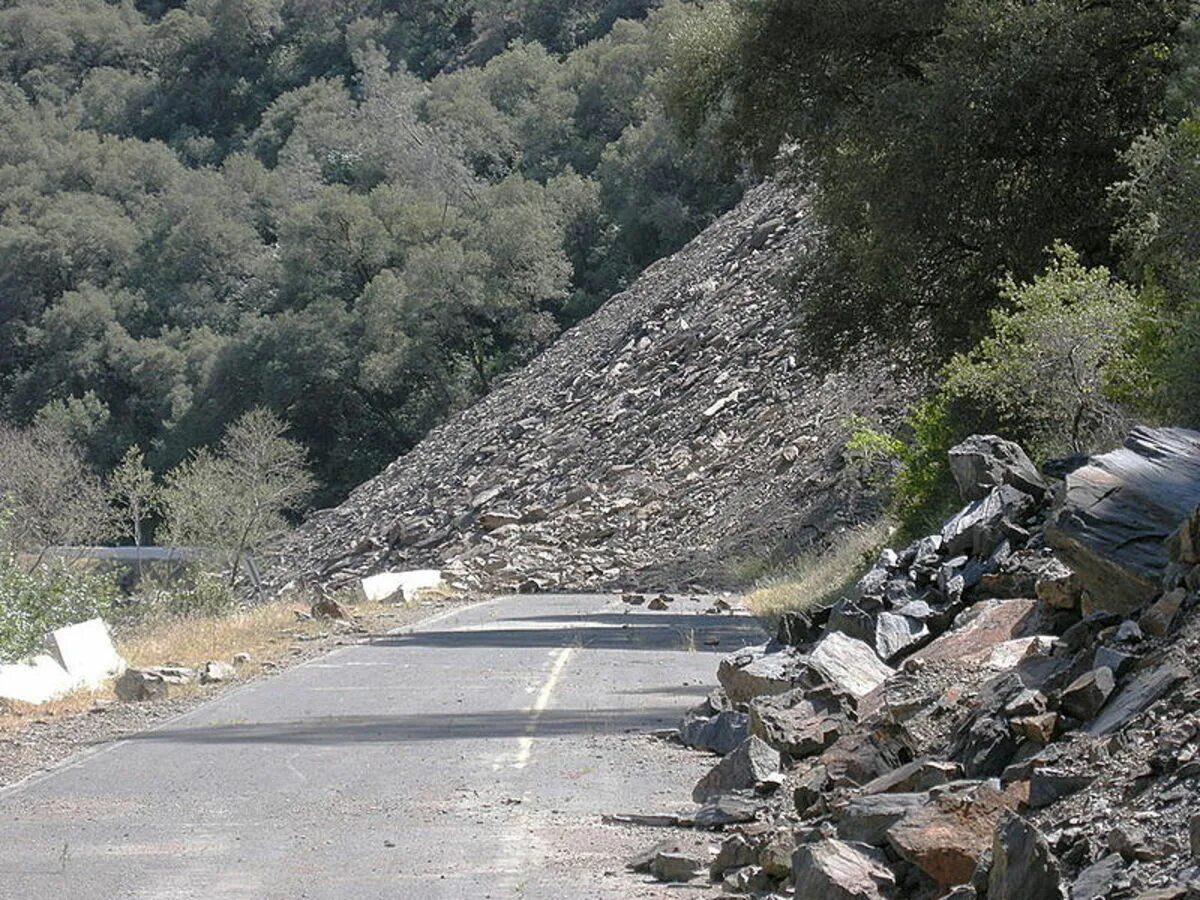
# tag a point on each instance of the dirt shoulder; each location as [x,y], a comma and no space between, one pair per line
[36,739]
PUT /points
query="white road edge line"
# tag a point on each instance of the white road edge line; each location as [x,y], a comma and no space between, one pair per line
[525,747]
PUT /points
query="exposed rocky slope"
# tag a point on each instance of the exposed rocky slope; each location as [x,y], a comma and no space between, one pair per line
[678,429]
[977,719]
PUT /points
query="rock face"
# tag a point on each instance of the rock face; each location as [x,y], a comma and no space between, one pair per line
[1118,511]
[681,426]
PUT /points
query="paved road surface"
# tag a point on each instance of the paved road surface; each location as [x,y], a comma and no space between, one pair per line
[471,756]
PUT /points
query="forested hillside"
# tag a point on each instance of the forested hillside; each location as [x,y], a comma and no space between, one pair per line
[357,213]
[352,212]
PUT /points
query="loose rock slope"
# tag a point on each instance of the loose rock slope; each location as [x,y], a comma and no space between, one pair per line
[977,718]
[679,428]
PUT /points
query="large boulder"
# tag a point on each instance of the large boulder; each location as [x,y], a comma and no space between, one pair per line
[848,664]
[766,669]
[985,461]
[946,837]
[838,870]
[1023,866]
[1116,513]
[801,722]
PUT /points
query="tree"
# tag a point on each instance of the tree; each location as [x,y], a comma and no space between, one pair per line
[132,489]
[236,497]
[949,142]
[50,494]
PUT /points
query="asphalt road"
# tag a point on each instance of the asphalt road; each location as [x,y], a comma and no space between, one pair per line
[472,755]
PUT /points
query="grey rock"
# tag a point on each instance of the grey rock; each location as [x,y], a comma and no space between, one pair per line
[847,617]
[1136,697]
[136,685]
[743,769]
[985,461]
[1097,879]
[775,855]
[216,671]
[809,788]
[1059,586]
[838,870]
[849,665]
[1183,544]
[1087,694]
[985,747]
[1116,513]
[676,867]
[1157,618]
[175,674]
[896,635]
[1128,632]
[982,525]
[720,733]
[867,819]
[1048,785]
[728,809]
[1023,865]
[735,851]
[1114,658]
[755,671]
[914,777]
[800,723]
[748,880]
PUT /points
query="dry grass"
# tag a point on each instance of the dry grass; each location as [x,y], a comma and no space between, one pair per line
[260,631]
[268,633]
[815,579]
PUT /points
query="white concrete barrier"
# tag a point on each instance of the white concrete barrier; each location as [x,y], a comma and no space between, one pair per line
[399,585]
[86,651]
[35,680]
[78,656]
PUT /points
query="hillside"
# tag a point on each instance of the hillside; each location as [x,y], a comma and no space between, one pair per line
[677,433]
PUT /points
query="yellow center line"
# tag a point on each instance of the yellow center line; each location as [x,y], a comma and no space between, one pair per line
[525,747]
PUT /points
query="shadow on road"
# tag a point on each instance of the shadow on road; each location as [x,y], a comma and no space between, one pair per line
[601,631]
[421,727]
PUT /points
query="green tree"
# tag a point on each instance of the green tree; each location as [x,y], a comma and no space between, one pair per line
[133,491]
[949,142]
[236,497]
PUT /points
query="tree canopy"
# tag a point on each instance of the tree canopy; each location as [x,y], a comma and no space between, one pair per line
[353,213]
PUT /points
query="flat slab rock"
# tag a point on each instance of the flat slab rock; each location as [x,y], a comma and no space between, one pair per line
[849,664]
[1117,512]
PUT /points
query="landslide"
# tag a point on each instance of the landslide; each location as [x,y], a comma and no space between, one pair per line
[679,438]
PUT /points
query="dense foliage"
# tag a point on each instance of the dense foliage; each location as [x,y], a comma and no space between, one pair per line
[950,143]
[354,213]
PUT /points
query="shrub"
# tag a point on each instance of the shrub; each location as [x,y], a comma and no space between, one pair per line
[35,602]
[1058,374]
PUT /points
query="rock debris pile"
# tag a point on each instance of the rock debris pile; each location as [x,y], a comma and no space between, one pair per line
[1006,709]
[678,428]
